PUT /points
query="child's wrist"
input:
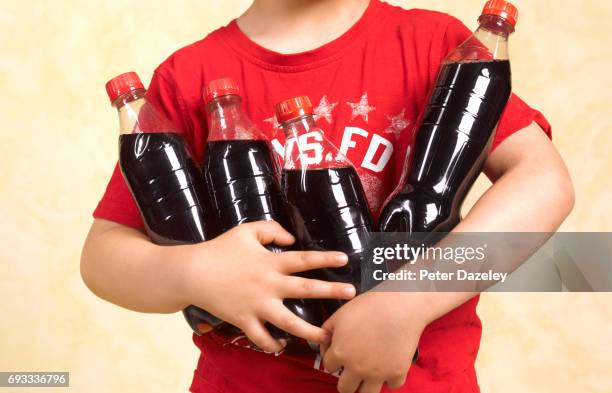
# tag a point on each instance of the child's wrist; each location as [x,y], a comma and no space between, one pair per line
[421,307]
[180,276]
[433,305]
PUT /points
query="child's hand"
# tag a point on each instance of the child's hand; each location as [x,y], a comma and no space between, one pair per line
[373,342]
[238,280]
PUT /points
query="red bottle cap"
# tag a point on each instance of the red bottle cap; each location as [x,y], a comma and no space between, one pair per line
[122,84]
[220,87]
[293,108]
[501,8]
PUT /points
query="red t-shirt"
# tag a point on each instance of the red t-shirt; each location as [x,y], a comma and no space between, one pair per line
[368,87]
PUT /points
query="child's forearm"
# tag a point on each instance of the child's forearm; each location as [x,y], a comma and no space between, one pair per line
[233,276]
[532,190]
[532,193]
[122,266]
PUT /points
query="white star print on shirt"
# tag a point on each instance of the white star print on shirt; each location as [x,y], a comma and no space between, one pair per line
[397,124]
[361,108]
[324,109]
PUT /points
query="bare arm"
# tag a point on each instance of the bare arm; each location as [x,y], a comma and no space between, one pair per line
[530,180]
[121,265]
[232,276]
[532,192]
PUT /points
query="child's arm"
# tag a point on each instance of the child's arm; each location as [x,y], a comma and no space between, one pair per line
[532,192]
[232,276]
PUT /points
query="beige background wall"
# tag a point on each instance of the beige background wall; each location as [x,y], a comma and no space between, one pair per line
[55,57]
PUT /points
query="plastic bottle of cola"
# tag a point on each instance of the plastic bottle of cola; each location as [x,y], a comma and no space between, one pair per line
[242,177]
[456,129]
[326,201]
[162,176]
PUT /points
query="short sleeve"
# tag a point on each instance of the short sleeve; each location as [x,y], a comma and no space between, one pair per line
[117,203]
[517,114]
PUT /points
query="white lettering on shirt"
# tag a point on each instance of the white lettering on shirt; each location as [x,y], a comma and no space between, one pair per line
[280,149]
[311,151]
[307,147]
[377,141]
[347,138]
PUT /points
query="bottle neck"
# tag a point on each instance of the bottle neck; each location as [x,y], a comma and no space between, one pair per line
[136,115]
[227,120]
[493,33]
[298,126]
[128,107]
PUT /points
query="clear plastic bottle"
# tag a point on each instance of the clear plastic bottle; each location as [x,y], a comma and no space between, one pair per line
[242,176]
[456,129]
[326,200]
[162,176]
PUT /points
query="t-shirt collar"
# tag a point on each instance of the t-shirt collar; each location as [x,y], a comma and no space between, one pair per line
[239,41]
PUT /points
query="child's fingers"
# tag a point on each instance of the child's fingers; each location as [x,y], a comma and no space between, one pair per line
[256,332]
[370,387]
[331,361]
[348,382]
[396,383]
[284,319]
[301,261]
[323,349]
[305,288]
[268,232]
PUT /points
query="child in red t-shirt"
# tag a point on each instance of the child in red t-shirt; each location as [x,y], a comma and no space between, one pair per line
[368,67]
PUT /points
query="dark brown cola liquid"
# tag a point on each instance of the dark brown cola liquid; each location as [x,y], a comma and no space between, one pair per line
[166,184]
[452,144]
[330,213]
[243,186]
